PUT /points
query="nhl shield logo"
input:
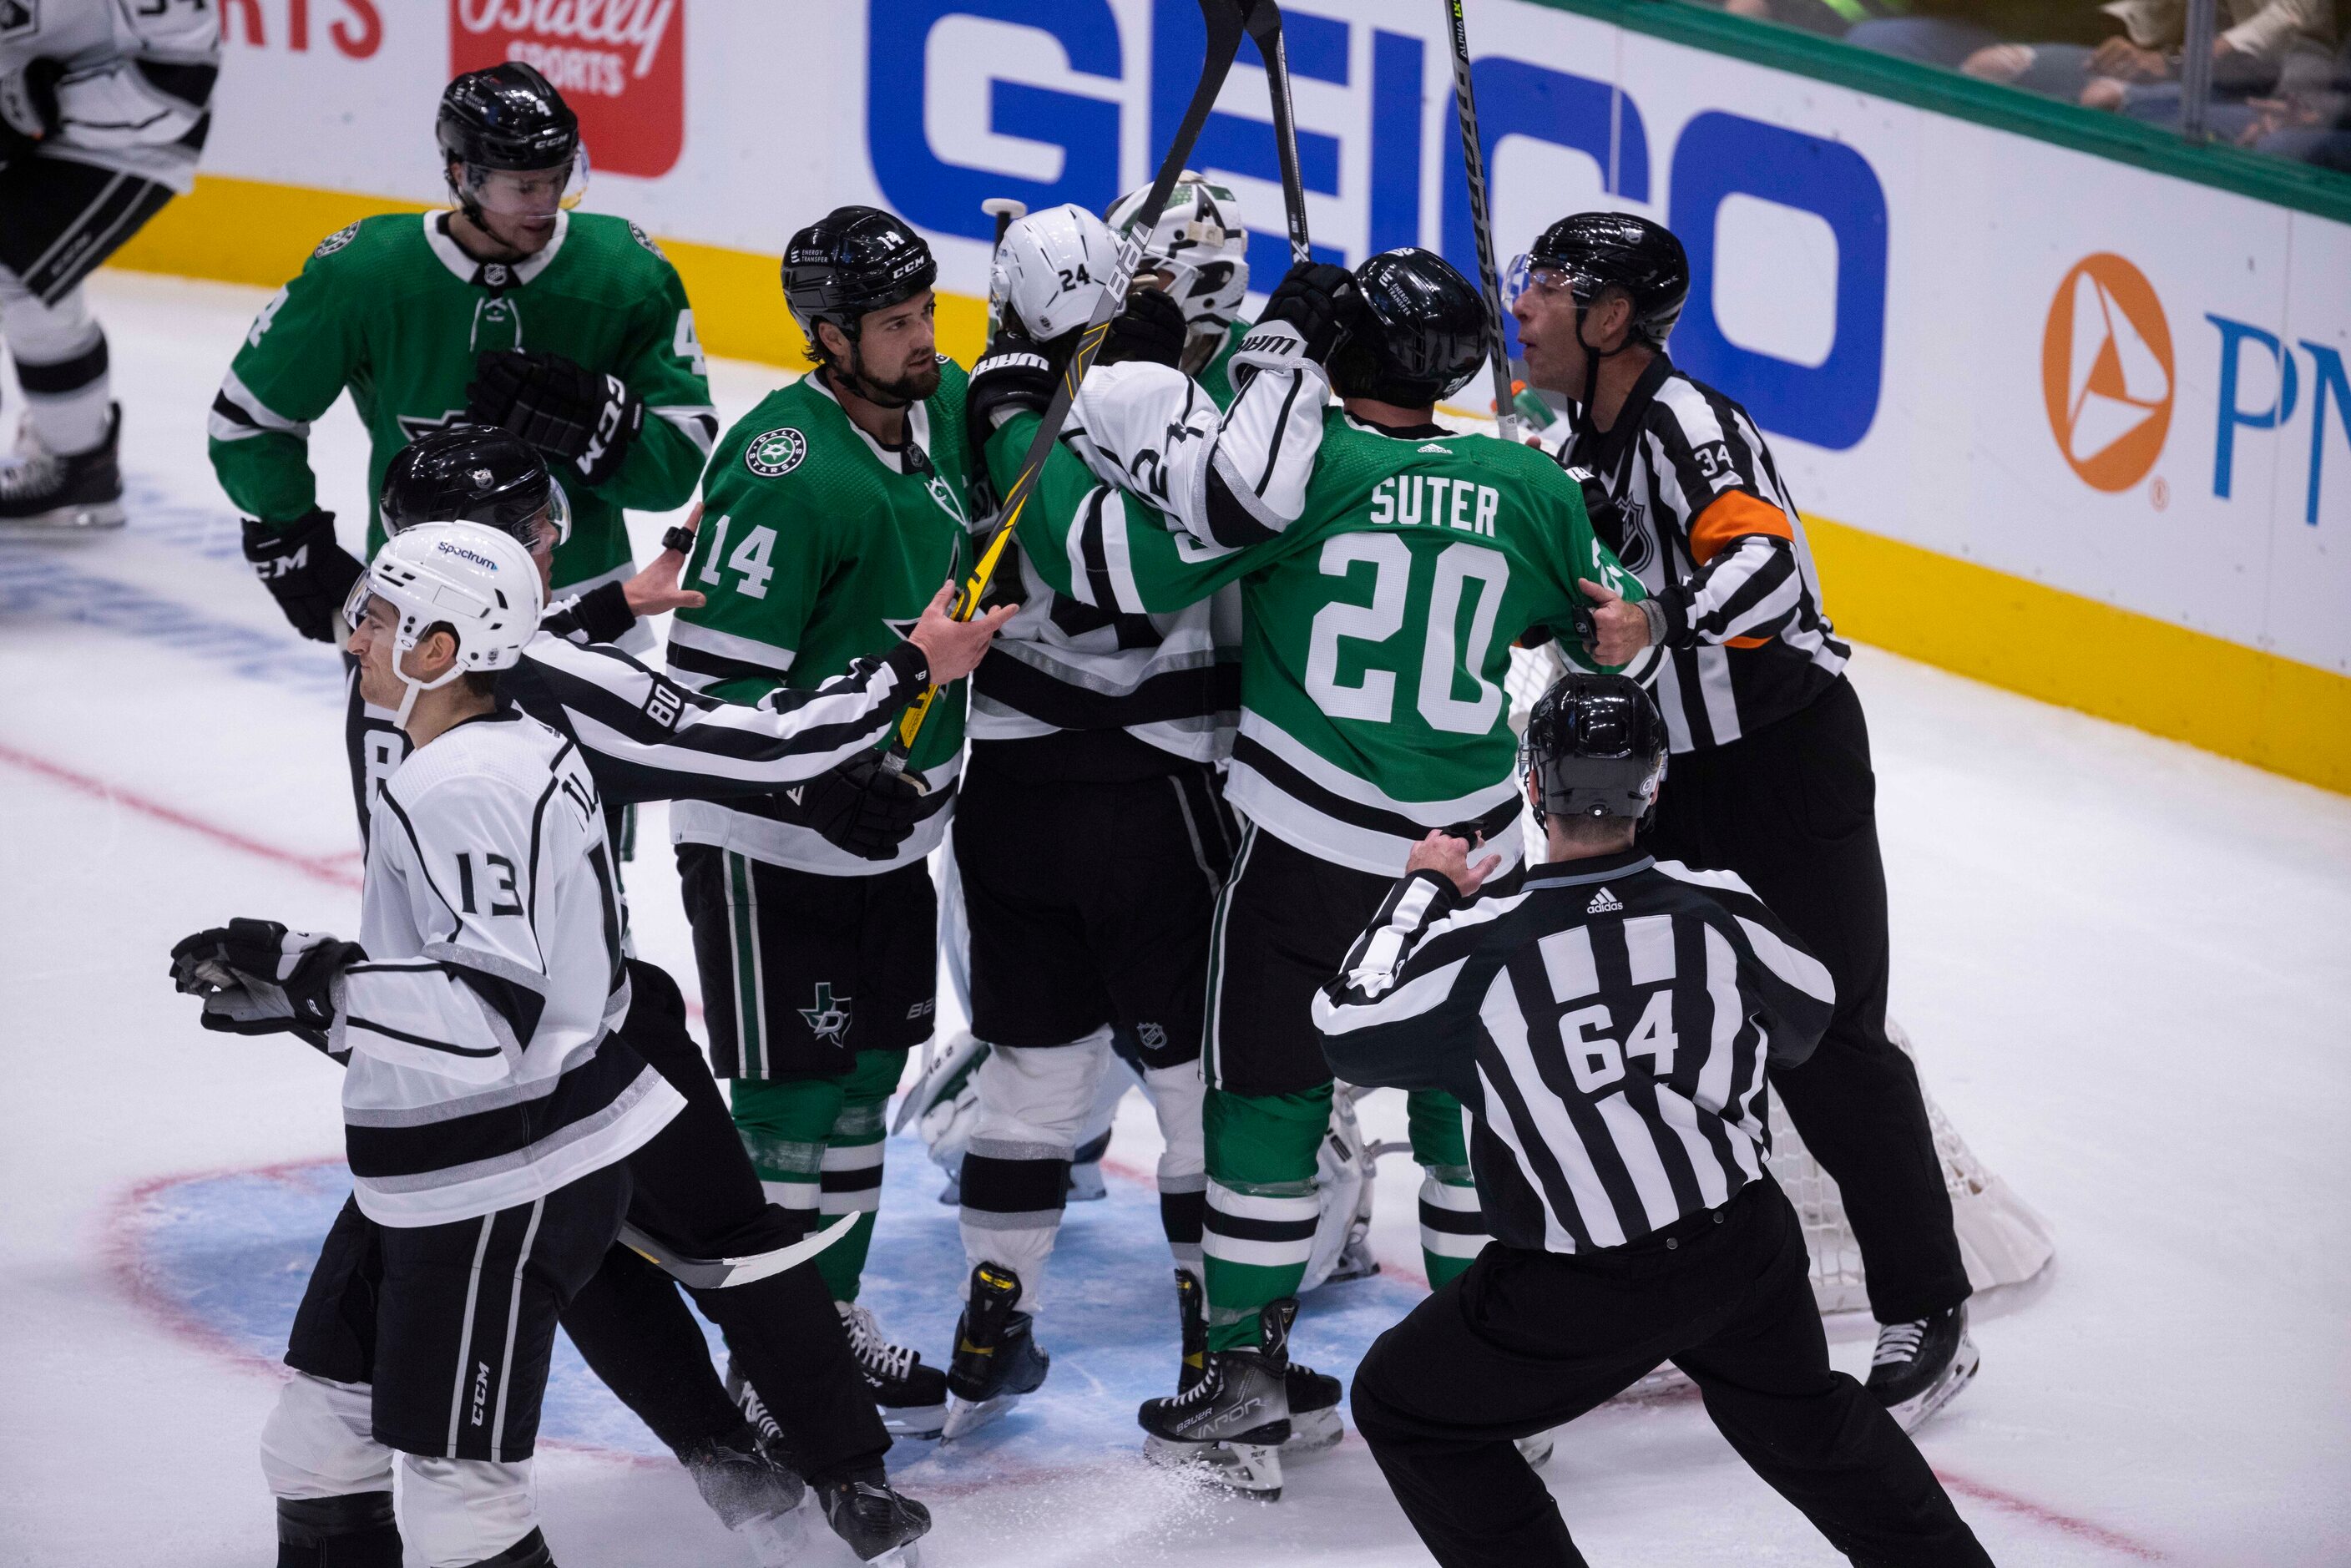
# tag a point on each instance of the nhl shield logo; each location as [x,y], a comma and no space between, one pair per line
[776,453]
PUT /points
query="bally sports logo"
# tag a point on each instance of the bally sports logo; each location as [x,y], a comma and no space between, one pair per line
[621,64]
[2107,371]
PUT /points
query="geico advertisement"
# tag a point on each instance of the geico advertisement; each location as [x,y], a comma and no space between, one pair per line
[2122,386]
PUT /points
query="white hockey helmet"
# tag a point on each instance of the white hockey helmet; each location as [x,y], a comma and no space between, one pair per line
[1199,243]
[479,582]
[1051,270]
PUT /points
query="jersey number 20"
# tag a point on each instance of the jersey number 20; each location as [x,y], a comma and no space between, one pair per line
[1442,662]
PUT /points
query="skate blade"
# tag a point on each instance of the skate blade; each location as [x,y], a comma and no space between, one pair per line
[80,519]
[966,1416]
[1249,1469]
[776,1539]
[907,1556]
[1535,1450]
[1314,1432]
[1916,1412]
[913,1420]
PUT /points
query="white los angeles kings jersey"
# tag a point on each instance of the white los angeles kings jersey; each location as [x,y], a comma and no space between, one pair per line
[133,85]
[483,1068]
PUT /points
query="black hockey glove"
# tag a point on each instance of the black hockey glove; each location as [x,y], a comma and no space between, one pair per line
[863,808]
[1150,329]
[305,570]
[1318,301]
[257,978]
[562,408]
[1015,374]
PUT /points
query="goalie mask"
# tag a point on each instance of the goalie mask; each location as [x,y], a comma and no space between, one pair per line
[1051,270]
[481,585]
[1202,251]
[1595,744]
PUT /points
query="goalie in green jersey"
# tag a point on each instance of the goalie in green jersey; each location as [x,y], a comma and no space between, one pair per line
[1386,574]
[569,330]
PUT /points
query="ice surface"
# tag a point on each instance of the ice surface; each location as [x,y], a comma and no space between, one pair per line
[2126,964]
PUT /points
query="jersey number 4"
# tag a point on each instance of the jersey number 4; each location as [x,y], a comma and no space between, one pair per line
[1444,661]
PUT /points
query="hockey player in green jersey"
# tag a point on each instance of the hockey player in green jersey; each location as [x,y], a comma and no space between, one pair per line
[569,329]
[831,515]
[1385,573]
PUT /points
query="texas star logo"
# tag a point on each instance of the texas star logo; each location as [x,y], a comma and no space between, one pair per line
[417,426]
[829,1020]
[776,453]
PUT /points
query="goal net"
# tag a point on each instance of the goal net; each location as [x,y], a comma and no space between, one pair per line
[2005,1239]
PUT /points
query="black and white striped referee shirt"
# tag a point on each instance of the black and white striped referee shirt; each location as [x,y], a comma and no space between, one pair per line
[1703,520]
[1607,1026]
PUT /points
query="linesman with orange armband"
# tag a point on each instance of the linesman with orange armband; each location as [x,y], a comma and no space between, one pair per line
[1770,775]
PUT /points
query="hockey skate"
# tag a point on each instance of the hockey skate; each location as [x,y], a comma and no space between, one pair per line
[1919,1365]
[1231,1424]
[1314,1423]
[753,1492]
[1192,1320]
[40,490]
[997,1357]
[912,1397]
[880,1524]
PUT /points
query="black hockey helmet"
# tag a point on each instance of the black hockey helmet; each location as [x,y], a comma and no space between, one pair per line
[1595,252]
[1420,335]
[1596,746]
[850,262]
[474,473]
[507,117]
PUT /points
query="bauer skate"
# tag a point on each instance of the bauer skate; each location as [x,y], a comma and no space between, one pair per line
[1230,1425]
[752,1490]
[1919,1365]
[41,491]
[912,1397]
[997,1357]
[880,1524]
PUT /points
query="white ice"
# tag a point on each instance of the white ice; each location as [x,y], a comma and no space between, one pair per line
[2128,965]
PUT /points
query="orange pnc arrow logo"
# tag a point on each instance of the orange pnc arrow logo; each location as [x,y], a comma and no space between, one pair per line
[2106,371]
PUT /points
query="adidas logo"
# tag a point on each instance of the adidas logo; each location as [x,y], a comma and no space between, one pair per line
[1440,451]
[1603,902]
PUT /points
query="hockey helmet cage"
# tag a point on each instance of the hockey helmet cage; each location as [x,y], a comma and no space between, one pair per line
[1201,245]
[506,121]
[1052,268]
[1420,336]
[1590,252]
[474,473]
[850,262]
[1595,745]
[481,584]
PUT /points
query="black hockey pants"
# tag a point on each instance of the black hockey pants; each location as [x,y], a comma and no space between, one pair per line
[1792,808]
[1525,1340]
[696,1192]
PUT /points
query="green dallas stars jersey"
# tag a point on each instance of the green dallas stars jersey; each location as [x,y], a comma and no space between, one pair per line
[392,308]
[1376,629]
[1216,379]
[818,546]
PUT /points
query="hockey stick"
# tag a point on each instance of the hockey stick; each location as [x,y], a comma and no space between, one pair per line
[1265,27]
[1224,20]
[1473,159]
[717,1273]
[1006,211]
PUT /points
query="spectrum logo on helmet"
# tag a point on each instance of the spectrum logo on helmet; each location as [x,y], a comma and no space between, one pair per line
[2107,371]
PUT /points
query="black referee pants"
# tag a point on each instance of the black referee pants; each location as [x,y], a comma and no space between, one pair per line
[1526,1340]
[1792,808]
[694,1190]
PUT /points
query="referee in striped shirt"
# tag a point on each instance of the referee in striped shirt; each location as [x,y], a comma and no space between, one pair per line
[1608,1027]
[1772,769]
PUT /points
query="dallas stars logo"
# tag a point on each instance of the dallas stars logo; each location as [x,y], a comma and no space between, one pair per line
[417,426]
[827,1020]
[776,453]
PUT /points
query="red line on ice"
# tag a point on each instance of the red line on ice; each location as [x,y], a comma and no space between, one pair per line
[2080,1529]
[331,868]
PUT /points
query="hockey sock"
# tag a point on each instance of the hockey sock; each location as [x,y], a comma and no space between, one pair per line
[1452,1220]
[1033,1103]
[851,1168]
[1261,1209]
[1176,1099]
[784,1125]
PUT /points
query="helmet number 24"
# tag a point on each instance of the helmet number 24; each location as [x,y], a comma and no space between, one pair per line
[1443,661]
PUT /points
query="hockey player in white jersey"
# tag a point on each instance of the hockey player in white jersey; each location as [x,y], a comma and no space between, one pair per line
[102,114]
[488,1106]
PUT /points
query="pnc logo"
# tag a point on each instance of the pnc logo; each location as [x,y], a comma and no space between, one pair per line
[2107,371]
